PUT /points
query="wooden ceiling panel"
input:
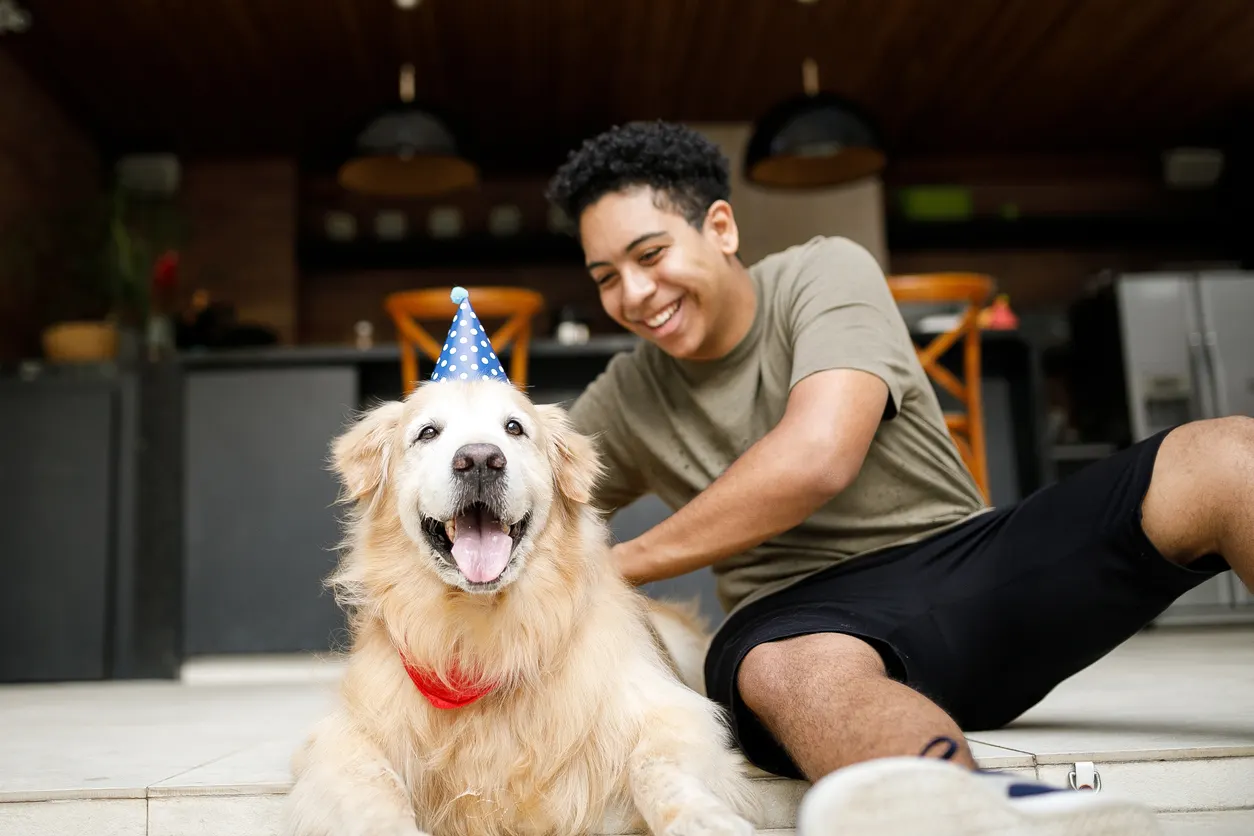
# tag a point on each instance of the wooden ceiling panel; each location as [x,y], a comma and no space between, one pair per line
[527,79]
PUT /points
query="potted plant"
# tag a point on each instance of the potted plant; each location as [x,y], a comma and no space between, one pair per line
[141,263]
[101,274]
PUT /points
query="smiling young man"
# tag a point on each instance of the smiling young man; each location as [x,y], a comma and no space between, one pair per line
[876,606]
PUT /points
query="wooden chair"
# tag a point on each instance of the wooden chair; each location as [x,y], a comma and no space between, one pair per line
[516,305]
[975,291]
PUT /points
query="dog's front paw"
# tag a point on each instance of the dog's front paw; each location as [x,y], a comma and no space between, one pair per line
[708,821]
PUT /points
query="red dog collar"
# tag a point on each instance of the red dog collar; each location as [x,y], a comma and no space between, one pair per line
[460,693]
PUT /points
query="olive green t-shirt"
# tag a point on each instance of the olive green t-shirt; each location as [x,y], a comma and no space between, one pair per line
[671,427]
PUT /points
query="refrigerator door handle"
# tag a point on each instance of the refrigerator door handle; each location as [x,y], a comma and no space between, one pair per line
[1210,343]
[1199,366]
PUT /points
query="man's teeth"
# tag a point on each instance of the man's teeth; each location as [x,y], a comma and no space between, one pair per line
[663,317]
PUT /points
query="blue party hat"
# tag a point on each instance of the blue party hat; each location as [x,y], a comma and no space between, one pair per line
[467,354]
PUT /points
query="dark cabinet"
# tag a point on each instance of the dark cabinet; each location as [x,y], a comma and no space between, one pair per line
[261,524]
[58,470]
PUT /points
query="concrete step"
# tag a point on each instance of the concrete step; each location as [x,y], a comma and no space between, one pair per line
[259,815]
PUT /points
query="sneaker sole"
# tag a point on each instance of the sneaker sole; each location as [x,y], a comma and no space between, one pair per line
[914,796]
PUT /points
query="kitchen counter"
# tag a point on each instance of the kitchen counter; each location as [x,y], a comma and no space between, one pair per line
[539,349]
[604,345]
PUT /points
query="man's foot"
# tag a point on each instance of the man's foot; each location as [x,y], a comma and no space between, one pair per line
[917,796]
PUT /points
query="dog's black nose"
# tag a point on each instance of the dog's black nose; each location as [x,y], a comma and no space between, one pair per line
[483,461]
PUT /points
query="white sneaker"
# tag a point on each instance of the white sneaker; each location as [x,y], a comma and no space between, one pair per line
[913,796]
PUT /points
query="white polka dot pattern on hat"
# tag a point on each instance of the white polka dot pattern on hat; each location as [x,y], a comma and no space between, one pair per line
[464,332]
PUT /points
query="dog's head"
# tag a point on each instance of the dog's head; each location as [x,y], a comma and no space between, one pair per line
[473,472]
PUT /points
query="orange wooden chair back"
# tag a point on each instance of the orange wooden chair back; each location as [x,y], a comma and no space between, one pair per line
[975,290]
[516,305]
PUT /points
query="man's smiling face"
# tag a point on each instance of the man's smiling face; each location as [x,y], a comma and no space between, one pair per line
[658,275]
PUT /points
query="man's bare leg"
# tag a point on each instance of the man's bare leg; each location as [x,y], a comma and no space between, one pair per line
[1201,495]
[828,699]
[797,687]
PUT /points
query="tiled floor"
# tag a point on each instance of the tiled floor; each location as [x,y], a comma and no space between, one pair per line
[1169,718]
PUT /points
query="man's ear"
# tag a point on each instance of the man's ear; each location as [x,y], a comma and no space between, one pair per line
[575,462]
[360,455]
[720,225]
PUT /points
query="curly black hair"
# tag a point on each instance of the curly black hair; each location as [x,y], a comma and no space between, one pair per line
[683,167]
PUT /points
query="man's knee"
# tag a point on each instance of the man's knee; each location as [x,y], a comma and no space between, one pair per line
[772,674]
[1203,471]
[1232,438]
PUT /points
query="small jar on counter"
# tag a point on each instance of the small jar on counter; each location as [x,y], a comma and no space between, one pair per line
[363,332]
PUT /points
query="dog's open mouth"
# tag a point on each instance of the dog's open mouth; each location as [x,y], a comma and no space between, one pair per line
[476,541]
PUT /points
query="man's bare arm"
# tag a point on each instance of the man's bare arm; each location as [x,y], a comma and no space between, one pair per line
[813,454]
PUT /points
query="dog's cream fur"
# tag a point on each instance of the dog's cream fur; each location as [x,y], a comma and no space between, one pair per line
[591,729]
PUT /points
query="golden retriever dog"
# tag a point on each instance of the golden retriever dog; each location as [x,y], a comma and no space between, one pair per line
[503,679]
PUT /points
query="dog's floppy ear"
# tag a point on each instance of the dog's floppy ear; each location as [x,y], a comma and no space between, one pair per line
[360,455]
[576,465]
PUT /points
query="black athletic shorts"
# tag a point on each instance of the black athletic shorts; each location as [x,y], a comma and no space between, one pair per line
[985,618]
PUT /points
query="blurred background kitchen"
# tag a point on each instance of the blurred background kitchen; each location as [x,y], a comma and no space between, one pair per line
[204,208]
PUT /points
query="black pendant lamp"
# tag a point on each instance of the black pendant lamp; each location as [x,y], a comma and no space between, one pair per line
[813,141]
[407,152]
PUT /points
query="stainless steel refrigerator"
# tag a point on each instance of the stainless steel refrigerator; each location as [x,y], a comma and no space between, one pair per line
[1187,341]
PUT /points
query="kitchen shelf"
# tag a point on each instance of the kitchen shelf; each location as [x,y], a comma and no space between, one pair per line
[1209,230]
[320,255]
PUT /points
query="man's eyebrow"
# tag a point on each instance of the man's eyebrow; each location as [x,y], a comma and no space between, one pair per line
[637,242]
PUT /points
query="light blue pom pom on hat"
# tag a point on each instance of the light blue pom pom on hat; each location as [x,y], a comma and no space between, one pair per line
[467,353]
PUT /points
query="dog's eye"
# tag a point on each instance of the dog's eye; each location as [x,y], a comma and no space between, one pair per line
[513,427]
[427,433]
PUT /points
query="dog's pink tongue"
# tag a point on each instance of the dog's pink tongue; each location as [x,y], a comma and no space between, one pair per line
[481,549]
